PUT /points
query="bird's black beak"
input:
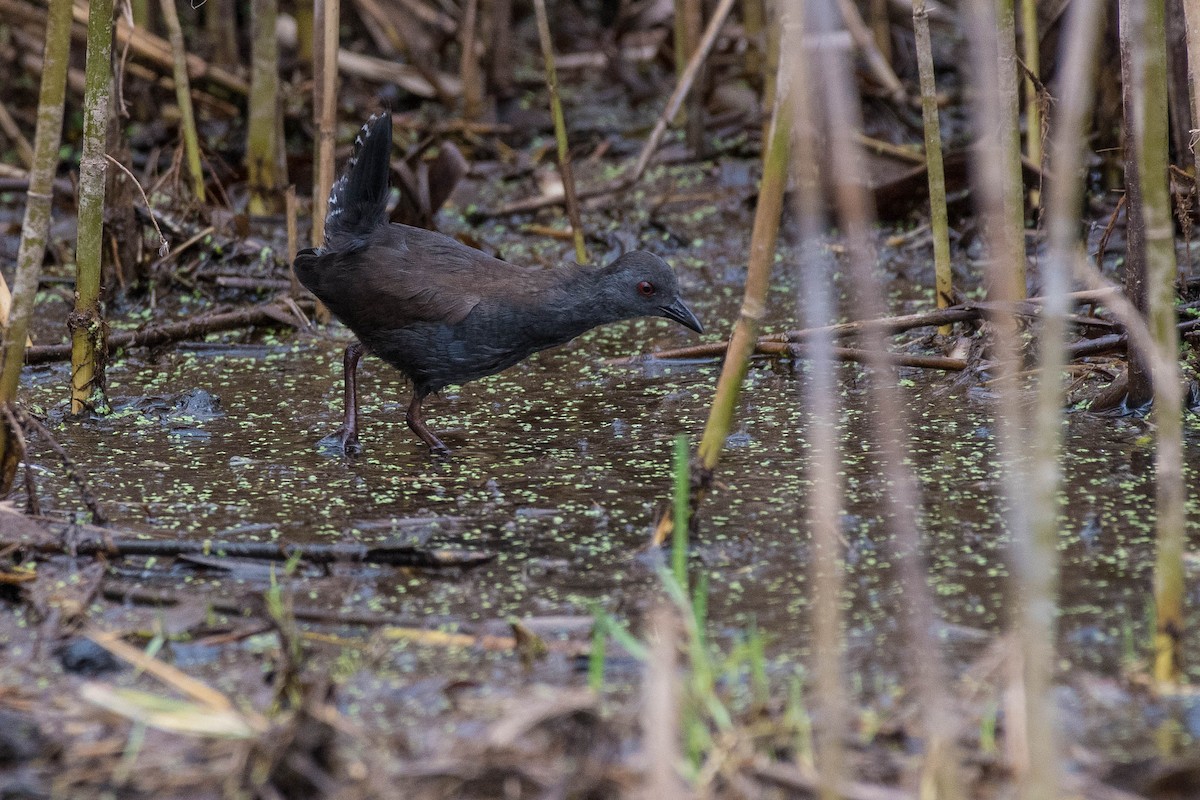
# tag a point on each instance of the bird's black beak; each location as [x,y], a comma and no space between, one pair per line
[679,312]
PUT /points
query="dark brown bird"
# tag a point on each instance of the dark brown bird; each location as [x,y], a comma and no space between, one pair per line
[444,313]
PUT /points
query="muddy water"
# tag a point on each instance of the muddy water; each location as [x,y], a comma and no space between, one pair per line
[560,466]
[561,463]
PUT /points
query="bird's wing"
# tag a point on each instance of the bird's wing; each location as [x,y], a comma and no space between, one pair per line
[405,275]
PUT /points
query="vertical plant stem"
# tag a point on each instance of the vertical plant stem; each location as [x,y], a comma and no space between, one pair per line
[745,328]
[1191,16]
[679,544]
[1010,137]
[1035,559]
[693,24]
[560,132]
[1150,139]
[856,216]
[938,215]
[472,75]
[221,28]
[660,717]
[1139,382]
[771,72]
[266,164]
[754,24]
[35,229]
[763,239]
[183,96]
[291,210]
[326,15]
[86,324]
[762,255]
[1033,111]
[815,298]
[880,27]
[993,118]
[304,32]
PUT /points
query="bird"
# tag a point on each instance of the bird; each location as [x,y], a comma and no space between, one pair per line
[443,313]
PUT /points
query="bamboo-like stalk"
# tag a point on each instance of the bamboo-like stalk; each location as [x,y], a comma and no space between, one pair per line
[469,69]
[1009,101]
[660,715]
[816,308]
[266,163]
[881,27]
[35,228]
[1139,371]
[689,22]
[304,32]
[680,43]
[679,544]
[291,210]
[1035,559]
[183,96]
[86,324]
[771,72]
[220,24]
[1191,17]
[856,217]
[754,24]
[938,216]
[560,132]
[325,28]
[1147,28]
[1033,110]
[763,238]
[993,117]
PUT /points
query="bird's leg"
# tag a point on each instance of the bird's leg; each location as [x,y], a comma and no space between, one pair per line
[348,435]
[416,421]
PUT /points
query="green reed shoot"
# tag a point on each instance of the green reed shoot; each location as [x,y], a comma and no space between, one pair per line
[679,535]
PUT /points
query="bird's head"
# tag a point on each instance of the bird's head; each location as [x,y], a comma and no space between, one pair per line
[640,284]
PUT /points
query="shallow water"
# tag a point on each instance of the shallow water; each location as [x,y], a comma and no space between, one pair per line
[561,465]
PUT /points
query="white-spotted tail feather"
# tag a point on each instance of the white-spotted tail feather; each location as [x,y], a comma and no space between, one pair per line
[358,199]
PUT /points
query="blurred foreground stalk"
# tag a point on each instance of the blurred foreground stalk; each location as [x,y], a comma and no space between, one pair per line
[1143,29]
[36,226]
[1035,557]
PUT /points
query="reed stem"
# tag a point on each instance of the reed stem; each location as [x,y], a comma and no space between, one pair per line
[86,324]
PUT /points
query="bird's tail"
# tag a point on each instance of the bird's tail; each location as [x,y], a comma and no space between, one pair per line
[358,200]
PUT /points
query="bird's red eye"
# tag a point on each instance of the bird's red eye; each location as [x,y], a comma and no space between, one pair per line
[645,288]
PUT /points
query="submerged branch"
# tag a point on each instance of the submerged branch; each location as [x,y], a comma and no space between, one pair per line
[394,555]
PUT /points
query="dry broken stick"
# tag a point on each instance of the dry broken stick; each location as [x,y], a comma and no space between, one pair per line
[965,312]
[404,555]
[73,473]
[154,335]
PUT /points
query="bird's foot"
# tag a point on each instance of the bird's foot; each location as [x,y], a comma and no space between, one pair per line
[344,442]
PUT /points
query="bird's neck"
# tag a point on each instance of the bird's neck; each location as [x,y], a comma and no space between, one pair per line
[575,305]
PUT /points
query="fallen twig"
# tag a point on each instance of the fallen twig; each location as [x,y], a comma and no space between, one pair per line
[154,335]
[965,312]
[394,555]
[71,469]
